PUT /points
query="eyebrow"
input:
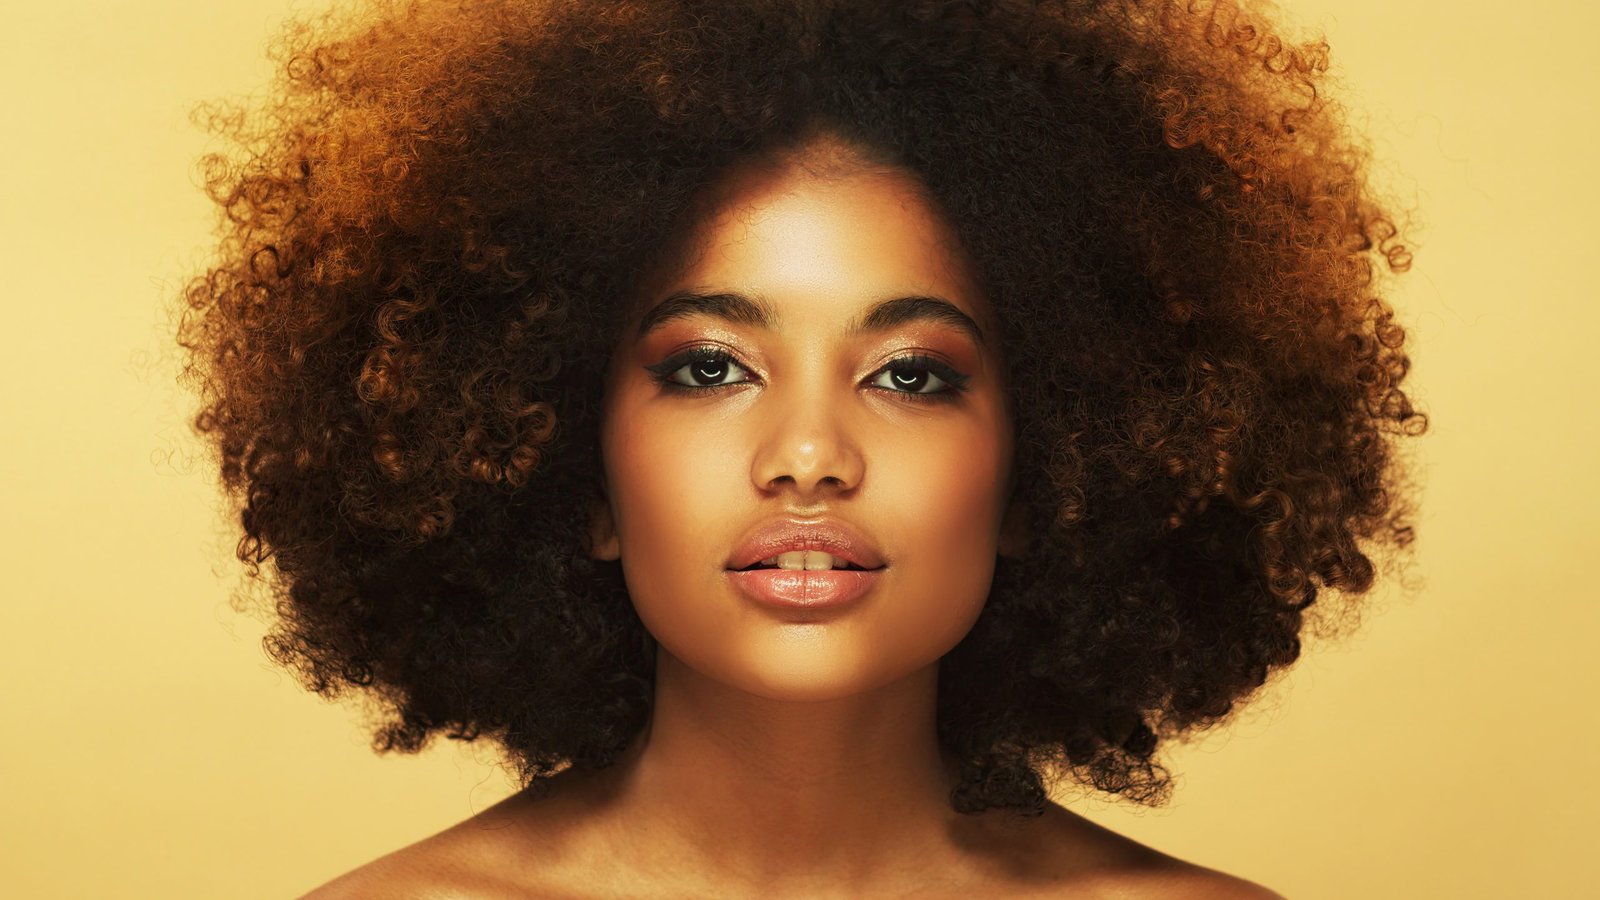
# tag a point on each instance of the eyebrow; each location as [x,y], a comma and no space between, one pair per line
[755,311]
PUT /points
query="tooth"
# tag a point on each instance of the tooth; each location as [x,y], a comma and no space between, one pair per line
[813,560]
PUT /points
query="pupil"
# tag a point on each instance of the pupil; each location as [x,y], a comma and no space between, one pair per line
[910,381]
[711,365]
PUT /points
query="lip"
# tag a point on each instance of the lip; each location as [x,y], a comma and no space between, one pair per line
[803,589]
[835,537]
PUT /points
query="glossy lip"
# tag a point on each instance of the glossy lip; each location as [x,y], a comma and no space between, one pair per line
[803,589]
[835,537]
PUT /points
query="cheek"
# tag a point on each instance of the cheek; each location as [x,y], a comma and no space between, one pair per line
[666,480]
[947,508]
[946,496]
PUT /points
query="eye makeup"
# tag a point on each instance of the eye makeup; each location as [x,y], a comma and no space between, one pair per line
[911,364]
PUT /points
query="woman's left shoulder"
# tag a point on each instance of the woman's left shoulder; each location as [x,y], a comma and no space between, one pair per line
[1100,863]
[1188,882]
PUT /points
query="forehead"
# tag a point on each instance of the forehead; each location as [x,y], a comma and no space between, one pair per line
[827,243]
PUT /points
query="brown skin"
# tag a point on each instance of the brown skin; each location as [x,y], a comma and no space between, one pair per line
[790,755]
[431,226]
[557,847]
[796,753]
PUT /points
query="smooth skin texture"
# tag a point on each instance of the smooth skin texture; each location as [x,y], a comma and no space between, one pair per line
[795,754]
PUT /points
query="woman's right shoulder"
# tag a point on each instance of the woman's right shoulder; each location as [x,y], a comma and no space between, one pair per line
[508,850]
[425,870]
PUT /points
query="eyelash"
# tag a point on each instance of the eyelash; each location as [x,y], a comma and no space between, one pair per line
[662,374]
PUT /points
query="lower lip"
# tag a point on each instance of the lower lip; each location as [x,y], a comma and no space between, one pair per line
[803,589]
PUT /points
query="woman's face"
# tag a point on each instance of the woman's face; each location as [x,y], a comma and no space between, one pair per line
[807,422]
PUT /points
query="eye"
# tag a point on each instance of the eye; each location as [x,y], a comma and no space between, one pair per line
[704,369]
[916,372]
[907,376]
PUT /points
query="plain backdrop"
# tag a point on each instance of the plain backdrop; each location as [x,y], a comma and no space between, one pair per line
[148,748]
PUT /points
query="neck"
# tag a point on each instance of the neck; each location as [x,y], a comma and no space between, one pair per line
[841,793]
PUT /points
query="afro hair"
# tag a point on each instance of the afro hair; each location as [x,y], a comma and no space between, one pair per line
[428,226]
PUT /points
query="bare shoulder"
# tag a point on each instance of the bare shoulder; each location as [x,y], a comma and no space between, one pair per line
[391,876]
[1088,860]
[1187,883]
[425,870]
[485,857]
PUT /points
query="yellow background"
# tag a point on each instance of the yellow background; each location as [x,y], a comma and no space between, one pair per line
[149,749]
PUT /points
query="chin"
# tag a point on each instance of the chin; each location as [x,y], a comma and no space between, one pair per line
[806,673]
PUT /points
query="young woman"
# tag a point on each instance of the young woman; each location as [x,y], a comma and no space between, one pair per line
[800,432]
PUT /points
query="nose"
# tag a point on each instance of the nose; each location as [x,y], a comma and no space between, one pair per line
[808,447]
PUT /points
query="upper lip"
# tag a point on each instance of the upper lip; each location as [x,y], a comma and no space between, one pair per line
[835,537]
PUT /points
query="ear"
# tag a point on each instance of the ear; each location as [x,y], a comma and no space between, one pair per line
[1015,535]
[603,532]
